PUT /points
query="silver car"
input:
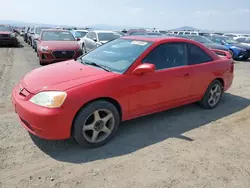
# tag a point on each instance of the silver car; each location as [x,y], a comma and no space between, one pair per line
[35,35]
[96,38]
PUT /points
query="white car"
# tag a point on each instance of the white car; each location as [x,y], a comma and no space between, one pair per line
[232,35]
[96,38]
[243,40]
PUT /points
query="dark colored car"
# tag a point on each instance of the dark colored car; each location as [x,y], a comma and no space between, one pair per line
[205,41]
[123,79]
[8,36]
[238,51]
[56,45]
[25,35]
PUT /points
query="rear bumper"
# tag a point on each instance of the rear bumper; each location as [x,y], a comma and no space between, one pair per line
[8,41]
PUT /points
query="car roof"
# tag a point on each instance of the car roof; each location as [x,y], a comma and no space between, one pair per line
[102,31]
[156,38]
[62,30]
[81,30]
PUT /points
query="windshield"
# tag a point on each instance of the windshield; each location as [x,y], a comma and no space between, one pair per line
[39,29]
[57,36]
[80,34]
[5,28]
[117,55]
[107,36]
[229,40]
[163,32]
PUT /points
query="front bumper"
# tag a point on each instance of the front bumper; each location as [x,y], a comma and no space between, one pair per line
[8,41]
[47,57]
[50,124]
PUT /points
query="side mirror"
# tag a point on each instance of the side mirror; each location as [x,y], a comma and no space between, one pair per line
[94,39]
[78,39]
[144,68]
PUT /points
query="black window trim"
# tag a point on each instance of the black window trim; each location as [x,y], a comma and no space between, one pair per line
[185,46]
[188,54]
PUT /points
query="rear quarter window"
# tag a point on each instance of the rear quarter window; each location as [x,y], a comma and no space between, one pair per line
[196,55]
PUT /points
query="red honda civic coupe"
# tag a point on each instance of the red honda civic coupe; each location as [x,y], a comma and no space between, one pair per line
[56,45]
[88,97]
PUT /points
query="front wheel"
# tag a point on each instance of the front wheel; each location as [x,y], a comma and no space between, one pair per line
[84,49]
[213,95]
[96,124]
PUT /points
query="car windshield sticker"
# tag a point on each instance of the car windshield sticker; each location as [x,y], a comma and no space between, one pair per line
[141,43]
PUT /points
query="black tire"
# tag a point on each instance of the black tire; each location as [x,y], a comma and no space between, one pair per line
[84,49]
[244,58]
[83,115]
[205,100]
[41,63]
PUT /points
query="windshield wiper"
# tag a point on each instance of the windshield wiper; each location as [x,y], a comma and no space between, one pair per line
[96,65]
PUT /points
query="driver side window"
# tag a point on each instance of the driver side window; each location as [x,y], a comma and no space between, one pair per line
[91,35]
[168,55]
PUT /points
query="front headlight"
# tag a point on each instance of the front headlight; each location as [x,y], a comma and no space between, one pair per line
[44,48]
[12,35]
[50,99]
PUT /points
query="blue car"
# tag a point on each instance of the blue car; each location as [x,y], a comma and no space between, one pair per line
[238,51]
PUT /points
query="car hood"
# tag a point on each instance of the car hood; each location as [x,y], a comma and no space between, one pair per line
[241,46]
[61,45]
[5,32]
[216,46]
[62,76]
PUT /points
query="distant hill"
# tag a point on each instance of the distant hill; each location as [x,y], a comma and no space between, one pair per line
[23,24]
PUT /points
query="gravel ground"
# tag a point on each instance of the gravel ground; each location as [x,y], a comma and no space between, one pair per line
[183,147]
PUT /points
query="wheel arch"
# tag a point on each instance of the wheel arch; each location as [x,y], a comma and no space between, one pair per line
[108,99]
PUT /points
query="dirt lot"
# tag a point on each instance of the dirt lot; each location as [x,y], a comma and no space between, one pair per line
[184,147]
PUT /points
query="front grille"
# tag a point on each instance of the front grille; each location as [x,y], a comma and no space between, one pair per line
[63,54]
[4,35]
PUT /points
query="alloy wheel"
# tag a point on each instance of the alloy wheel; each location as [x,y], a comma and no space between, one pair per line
[98,126]
[214,95]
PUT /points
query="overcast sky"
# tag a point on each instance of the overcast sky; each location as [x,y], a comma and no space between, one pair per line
[202,14]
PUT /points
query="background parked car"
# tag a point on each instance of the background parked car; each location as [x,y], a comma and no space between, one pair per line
[30,32]
[232,35]
[8,36]
[26,31]
[205,41]
[238,51]
[243,40]
[35,35]
[96,38]
[78,34]
[56,45]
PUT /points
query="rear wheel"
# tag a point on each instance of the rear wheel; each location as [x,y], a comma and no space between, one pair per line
[96,124]
[244,58]
[213,95]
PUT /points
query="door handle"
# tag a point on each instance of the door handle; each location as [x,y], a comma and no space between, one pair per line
[186,74]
